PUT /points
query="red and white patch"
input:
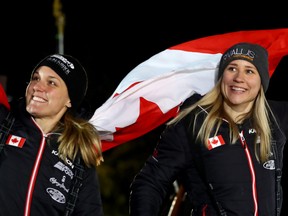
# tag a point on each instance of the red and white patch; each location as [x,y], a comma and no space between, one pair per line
[215,142]
[15,141]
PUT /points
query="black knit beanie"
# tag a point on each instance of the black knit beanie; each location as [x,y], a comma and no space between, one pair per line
[73,74]
[253,53]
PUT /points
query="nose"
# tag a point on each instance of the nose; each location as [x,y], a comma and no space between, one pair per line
[38,86]
[239,76]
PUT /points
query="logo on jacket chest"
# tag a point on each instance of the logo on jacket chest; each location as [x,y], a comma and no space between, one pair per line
[270,165]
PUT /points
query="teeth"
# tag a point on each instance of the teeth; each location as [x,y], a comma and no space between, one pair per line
[38,99]
[237,89]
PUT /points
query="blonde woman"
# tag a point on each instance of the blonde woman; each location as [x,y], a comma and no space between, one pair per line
[225,147]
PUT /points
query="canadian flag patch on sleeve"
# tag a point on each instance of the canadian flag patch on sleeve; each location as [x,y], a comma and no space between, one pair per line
[216,141]
[15,141]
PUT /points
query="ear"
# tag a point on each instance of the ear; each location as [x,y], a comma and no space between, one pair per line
[68,104]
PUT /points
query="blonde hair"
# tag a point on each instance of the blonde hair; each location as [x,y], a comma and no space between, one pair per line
[213,101]
[79,136]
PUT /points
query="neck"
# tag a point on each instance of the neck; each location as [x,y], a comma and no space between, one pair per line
[237,113]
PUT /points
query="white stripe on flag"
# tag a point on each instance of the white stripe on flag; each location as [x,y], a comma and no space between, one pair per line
[168,89]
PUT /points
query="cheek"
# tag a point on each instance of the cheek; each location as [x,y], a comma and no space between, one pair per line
[227,78]
[29,89]
[223,88]
[257,87]
[63,97]
[59,98]
[225,81]
[255,83]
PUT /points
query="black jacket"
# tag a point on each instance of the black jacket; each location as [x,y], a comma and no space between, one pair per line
[33,179]
[228,169]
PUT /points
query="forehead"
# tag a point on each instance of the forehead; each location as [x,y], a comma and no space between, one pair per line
[242,62]
[47,71]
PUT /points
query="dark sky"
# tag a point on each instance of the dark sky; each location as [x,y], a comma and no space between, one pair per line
[110,38]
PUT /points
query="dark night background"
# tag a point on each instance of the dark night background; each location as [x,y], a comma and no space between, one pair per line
[110,39]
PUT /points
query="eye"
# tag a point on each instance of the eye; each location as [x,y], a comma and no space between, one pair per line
[231,68]
[248,71]
[51,82]
[35,78]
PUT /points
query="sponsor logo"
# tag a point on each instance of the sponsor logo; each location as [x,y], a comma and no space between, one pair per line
[54,152]
[61,166]
[270,165]
[58,184]
[56,195]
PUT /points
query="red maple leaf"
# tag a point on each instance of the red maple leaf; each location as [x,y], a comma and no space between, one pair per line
[150,117]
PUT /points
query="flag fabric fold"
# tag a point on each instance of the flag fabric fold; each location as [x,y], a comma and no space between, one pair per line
[151,93]
[4,98]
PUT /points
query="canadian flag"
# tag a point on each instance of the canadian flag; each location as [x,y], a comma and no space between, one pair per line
[15,141]
[215,142]
[152,92]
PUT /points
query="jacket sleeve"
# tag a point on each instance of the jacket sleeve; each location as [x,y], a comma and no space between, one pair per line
[89,200]
[161,169]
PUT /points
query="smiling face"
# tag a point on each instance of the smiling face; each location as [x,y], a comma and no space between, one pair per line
[47,95]
[240,85]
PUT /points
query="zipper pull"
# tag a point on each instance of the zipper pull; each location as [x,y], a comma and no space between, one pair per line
[242,139]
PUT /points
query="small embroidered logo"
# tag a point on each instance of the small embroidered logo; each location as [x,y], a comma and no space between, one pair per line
[56,195]
[270,165]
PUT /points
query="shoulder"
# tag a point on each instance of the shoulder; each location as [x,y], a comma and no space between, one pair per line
[3,111]
[279,108]
[191,100]
[280,111]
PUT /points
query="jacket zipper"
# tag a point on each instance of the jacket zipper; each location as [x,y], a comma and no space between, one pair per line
[252,171]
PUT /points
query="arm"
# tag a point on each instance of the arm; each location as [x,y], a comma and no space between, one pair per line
[152,183]
[89,200]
